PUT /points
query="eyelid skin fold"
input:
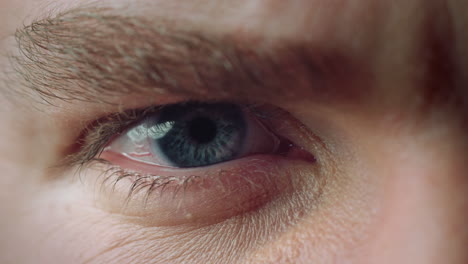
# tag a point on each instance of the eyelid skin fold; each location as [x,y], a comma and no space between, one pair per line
[201,196]
[166,196]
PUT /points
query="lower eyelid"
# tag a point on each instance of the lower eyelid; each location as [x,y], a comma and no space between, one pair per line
[204,196]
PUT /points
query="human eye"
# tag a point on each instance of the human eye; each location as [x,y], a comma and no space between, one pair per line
[195,135]
[196,162]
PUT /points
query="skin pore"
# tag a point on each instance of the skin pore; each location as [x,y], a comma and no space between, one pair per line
[374,90]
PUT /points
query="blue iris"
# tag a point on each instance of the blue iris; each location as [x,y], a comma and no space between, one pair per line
[200,133]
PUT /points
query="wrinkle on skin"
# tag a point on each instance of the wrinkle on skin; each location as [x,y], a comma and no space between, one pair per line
[396,195]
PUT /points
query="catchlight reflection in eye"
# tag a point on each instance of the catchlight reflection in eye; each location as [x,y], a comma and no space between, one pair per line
[194,135]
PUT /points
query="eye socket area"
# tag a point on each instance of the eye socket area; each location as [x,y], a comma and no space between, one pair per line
[196,135]
[250,165]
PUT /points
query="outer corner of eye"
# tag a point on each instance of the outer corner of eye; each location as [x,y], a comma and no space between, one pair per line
[205,161]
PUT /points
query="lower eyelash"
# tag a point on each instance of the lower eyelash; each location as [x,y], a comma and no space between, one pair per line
[147,183]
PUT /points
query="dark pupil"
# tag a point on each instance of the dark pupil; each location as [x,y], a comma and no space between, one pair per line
[202,130]
[201,133]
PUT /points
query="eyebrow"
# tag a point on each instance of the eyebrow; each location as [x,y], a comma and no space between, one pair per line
[90,54]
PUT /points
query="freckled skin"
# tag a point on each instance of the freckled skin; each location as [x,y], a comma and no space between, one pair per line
[394,169]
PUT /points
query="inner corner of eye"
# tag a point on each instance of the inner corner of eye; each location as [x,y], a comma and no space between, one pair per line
[198,134]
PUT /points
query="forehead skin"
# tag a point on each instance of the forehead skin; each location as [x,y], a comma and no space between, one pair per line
[414,52]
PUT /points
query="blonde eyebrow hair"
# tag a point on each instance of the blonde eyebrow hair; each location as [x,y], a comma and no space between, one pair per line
[89,54]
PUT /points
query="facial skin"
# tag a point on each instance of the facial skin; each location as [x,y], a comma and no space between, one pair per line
[374,90]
